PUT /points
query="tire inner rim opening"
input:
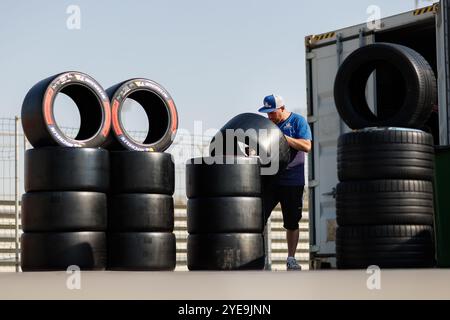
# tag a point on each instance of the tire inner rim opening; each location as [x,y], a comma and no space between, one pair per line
[157,115]
[389,89]
[90,109]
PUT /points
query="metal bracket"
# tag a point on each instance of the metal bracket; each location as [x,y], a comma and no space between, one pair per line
[332,193]
[310,55]
[362,39]
[339,48]
[312,119]
[313,183]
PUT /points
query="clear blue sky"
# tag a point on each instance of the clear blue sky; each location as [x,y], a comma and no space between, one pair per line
[216,58]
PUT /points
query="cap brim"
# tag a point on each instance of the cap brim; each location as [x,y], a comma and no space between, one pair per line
[266,110]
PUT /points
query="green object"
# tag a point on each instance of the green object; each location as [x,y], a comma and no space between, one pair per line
[442,205]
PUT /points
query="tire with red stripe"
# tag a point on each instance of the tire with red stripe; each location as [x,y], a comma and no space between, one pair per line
[38,119]
[160,109]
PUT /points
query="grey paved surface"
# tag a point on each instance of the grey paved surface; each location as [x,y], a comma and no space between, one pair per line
[326,284]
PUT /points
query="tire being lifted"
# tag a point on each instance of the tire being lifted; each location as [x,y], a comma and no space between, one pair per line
[256,131]
[38,119]
[160,109]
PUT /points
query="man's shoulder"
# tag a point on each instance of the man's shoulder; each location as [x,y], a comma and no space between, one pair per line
[301,126]
[298,118]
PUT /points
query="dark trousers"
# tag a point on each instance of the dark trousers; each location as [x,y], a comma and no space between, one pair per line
[291,200]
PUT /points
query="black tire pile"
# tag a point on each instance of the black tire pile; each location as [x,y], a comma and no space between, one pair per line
[65,212]
[225,202]
[384,201]
[141,211]
[224,211]
[64,209]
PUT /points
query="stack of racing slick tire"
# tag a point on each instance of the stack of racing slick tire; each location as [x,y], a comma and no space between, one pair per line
[140,205]
[225,211]
[384,201]
[64,209]
[224,214]
[141,211]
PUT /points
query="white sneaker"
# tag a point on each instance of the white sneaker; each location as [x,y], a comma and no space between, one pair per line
[292,264]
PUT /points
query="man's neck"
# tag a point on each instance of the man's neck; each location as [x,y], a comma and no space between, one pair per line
[288,114]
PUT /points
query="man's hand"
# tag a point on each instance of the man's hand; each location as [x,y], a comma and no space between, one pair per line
[299,144]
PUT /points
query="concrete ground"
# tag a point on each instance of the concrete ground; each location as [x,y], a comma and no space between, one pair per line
[324,284]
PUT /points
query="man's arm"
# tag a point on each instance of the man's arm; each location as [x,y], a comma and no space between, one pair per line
[299,144]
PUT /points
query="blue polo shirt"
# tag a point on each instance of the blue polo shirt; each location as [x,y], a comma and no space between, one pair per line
[296,127]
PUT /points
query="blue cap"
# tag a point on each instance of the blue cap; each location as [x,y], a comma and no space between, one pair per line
[271,103]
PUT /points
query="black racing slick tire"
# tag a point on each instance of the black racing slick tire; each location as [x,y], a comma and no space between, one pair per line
[142,172]
[141,251]
[225,215]
[55,251]
[38,119]
[140,212]
[415,87]
[225,251]
[66,169]
[384,202]
[223,176]
[402,246]
[161,113]
[385,153]
[64,211]
[259,135]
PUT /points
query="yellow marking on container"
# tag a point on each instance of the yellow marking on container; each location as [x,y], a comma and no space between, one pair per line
[428,9]
[323,36]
